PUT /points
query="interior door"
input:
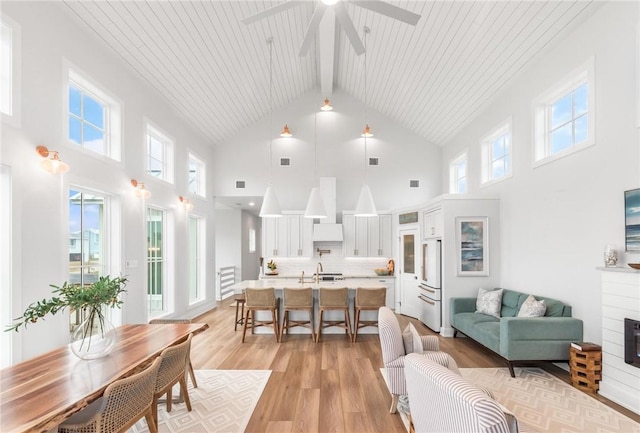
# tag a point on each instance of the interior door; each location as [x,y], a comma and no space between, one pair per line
[409,272]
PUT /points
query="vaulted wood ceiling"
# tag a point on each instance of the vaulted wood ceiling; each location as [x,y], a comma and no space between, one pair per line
[431,78]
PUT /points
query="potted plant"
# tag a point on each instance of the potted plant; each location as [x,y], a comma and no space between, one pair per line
[273,267]
[95,336]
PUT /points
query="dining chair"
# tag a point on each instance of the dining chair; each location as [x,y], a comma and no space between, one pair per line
[261,300]
[297,299]
[123,403]
[172,371]
[333,299]
[367,299]
[190,365]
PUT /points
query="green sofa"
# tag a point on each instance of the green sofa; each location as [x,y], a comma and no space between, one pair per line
[519,339]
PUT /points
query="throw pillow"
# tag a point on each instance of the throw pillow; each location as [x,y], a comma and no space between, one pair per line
[417,341]
[407,340]
[489,302]
[532,308]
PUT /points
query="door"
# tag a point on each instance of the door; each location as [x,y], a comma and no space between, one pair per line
[409,270]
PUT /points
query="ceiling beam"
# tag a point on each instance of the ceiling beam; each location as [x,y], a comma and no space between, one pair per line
[326,45]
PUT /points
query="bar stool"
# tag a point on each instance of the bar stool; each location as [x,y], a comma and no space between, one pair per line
[367,299]
[240,300]
[261,300]
[334,299]
[297,300]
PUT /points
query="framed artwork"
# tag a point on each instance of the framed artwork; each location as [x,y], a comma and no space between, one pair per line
[472,243]
[632,220]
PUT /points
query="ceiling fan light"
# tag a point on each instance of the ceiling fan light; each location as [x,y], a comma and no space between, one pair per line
[315,205]
[367,132]
[326,106]
[365,207]
[329,2]
[286,132]
[270,205]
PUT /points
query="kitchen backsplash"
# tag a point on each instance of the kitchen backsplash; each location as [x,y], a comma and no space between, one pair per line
[331,262]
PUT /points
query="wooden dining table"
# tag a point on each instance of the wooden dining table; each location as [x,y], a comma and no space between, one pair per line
[39,394]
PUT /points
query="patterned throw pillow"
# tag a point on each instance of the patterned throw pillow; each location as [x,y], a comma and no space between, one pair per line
[532,308]
[489,302]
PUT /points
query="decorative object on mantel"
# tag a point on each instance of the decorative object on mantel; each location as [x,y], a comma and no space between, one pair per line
[95,336]
[634,265]
[610,256]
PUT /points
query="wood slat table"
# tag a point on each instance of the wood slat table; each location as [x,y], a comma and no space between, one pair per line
[40,393]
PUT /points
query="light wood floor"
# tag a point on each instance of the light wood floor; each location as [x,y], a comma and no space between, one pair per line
[332,386]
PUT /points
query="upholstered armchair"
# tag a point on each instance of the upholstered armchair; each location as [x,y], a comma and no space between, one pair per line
[442,401]
[395,346]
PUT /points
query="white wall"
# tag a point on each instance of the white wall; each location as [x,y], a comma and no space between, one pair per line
[557,218]
[228,244]
[250,260]
[40,227]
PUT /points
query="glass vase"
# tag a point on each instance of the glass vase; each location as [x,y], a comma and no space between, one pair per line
[610,256]
[94,337]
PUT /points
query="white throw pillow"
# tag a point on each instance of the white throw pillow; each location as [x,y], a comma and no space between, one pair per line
[407,340]
[489,302]
[417,341]
[532,308]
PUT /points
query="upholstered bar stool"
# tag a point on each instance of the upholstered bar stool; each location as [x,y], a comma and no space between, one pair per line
[367,299]
[297,300]
[240,300]
[260,300]
[333,299]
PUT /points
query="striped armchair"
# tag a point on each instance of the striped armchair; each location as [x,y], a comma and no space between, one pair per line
[392,344]
[442,401]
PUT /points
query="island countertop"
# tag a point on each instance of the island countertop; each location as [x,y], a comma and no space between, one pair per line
[280,283]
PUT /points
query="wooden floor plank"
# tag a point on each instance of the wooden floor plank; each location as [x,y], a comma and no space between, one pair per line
[331,413]
[307,412]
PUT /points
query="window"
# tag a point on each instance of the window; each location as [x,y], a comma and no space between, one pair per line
[6,288]
[196,175]
[159,154]
[94,117]
[196,259]
[156,229]
[458,175]
[495,154]
[10,71]
[563,117]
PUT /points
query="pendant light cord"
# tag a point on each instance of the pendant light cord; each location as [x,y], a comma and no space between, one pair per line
[366,32]
[315,146]
[270,42]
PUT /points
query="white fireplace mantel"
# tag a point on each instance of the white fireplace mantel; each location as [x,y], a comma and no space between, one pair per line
[620,299]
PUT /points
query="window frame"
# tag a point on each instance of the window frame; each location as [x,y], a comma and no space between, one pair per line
[199,260]
[168,246]
[454,178]
[200,176]
[542,114]
[14,116]
[486,153]
[168,152]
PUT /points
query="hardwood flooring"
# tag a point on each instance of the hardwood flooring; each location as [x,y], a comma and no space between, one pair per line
[331,386]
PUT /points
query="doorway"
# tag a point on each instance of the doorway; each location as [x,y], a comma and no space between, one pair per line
[409,272]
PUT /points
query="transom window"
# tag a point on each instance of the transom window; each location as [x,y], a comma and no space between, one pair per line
[458,175]
[197,175]
[6,100]
[562,120]
[159,154]
[495,153]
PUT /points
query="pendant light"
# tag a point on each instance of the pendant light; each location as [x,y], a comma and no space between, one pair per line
[270,205]
[365,206]
[315,205]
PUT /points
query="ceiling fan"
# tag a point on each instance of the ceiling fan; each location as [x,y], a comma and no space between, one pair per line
[342,16]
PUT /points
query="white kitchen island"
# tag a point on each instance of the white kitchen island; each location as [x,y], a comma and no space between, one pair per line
[279,283]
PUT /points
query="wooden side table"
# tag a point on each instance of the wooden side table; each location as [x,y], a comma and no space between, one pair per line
[585,369]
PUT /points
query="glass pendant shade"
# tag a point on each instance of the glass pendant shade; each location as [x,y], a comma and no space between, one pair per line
[366,207]
[315,205]
[270,205]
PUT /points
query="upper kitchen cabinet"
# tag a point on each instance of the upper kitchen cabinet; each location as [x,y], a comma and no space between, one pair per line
[433,224]
[288,236]
[367,236]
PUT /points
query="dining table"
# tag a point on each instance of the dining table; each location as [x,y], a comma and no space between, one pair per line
[42,392]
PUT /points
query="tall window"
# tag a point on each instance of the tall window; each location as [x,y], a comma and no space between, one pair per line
[159,154]
[87,234]
[458,175]
[156,292]
[6,101]
[495,154]
[6,250]
[563,121]
[196,259]
[197,175]
[93,118]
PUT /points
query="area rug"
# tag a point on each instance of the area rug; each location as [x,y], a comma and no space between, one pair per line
[547,404]
[223,402]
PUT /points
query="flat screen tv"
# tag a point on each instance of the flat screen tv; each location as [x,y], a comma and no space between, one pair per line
[632,219]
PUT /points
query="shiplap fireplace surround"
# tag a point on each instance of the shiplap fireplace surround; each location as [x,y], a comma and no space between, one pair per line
[620,299]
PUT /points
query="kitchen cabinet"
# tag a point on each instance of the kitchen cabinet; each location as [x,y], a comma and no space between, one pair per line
[288,236]
[433,224]
[367,236]
[274,237]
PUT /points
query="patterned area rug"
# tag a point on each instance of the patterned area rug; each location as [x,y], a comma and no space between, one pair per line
[223,402]
[548,404]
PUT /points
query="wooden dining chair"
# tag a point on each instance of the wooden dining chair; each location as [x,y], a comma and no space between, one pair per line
[123,403]
[172,370]
[189,364]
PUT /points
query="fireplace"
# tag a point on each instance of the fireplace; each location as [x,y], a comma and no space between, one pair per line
[632,342]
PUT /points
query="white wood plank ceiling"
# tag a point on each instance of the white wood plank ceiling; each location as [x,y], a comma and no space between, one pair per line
[431,78]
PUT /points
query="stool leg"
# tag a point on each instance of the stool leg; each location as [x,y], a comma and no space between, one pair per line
[244,325]
[319,333]
[235,325]
[356,323]
[285,317]
[313,332]
[348,322]
[274,316]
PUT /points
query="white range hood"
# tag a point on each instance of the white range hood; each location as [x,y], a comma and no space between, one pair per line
[328,230]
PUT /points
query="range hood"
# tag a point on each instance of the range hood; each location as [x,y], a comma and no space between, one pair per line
[327,233]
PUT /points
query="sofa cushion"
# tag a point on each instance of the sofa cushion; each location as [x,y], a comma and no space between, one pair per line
[511,301]
[554,308]
[489,302]
[532,307]
[466,321]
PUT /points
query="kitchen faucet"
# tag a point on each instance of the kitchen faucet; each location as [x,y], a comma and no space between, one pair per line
[318,270]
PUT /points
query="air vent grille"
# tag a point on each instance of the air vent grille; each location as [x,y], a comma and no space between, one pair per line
[414,184]
[374,161]
[239,183]
[285,161]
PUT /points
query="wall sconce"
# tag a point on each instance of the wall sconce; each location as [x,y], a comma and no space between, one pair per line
[286,132]
[186,203]
[140,191]
[53,164]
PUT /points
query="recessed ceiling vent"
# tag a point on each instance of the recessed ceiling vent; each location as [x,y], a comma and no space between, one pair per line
[285,161]
[373,161]
[414,184]
[239,183]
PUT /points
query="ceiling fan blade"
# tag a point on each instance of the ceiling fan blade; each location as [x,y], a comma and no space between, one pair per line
[389,10]
[312,29]
[271,11]
[347,26]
